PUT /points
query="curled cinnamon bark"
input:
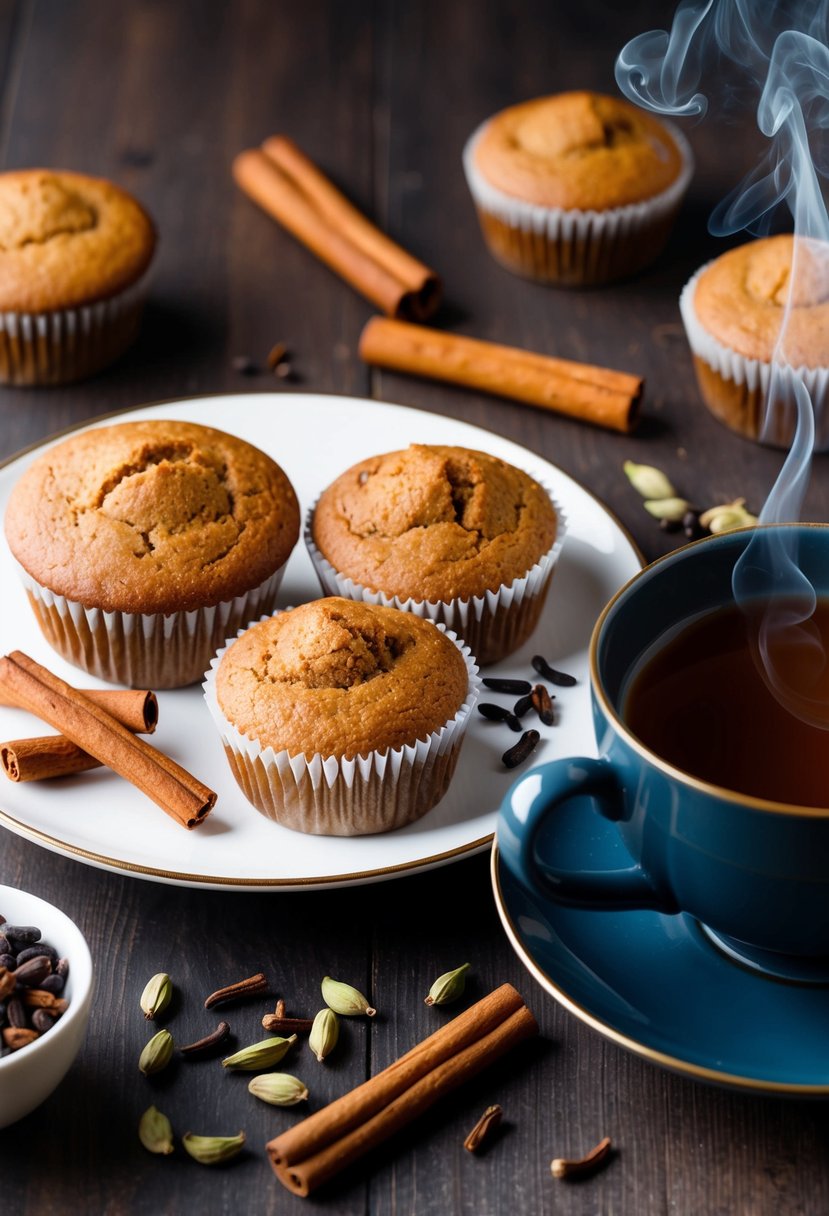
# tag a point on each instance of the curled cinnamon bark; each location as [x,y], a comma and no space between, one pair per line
[290,187]
[97,732]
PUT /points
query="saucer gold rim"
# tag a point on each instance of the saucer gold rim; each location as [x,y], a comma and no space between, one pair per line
[674,1063]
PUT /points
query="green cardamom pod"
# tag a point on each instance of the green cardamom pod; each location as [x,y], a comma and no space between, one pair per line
[344,999]
[278,1088]
[155,1131]
[156,995]
[448,987]
[157,1053]
[259,1055]
[324,1033]
[208,1150]
[672,509]
[648,481]
[727,517]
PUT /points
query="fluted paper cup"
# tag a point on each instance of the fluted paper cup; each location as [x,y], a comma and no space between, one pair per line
[493,625]
[736,389]
[64,345]
[332,796]
[144,650]
[571,247]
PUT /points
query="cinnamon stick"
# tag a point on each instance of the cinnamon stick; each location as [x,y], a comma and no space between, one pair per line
[580,390]
[47,756]
[94,730]
[290,187]
[325,1143]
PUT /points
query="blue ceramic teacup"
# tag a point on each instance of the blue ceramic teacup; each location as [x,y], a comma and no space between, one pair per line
[754,873]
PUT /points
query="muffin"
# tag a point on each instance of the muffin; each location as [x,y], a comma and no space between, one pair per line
[74,255]
[576,189]
[341,718]
[733,311]
[143,545]
[445,532]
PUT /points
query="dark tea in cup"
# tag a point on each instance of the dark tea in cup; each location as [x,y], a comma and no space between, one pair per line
[740,699]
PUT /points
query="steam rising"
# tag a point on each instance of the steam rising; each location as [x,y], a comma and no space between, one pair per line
[776,49]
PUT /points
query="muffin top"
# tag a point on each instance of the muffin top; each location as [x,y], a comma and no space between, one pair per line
[341,678]
[741,299]
[434,523]
[578,151]
[68,240]
[155,516]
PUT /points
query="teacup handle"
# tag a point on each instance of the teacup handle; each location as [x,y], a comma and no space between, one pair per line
[527,806]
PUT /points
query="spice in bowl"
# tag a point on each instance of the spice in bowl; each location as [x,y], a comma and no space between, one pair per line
[32,978]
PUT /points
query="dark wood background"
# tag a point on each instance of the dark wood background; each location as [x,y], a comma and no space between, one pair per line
[159,95]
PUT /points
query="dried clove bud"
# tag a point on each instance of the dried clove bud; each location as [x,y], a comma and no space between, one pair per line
[484,1129]
[562,1167]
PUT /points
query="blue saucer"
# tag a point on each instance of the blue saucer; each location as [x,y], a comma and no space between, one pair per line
[656,985]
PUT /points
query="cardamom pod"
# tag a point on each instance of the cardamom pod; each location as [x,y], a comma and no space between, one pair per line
[324,1033]
[156,995]
[278,1088]
[672,509]
[648,481]
[727,517]
[344,999]
[155,1131]
[157,1053]
[259,1055]
[208,1150]
[448,987]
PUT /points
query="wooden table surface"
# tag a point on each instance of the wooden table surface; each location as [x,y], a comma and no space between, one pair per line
[159,95]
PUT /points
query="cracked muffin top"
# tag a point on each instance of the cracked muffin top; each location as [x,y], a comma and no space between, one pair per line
[741,299]
[579,151]
[152,517]
[68,240]
[337,677]
[434,523]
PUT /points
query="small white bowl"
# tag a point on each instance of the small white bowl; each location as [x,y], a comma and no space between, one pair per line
[29,1075]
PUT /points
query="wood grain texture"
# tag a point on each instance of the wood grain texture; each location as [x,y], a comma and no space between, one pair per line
[160,96]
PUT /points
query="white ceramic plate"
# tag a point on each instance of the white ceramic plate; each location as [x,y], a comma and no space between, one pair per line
[103,821]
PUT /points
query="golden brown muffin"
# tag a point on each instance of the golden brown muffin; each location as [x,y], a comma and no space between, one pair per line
[68,242]
[578,150]
[334,680]
[158,518]
[734,311]
[585,155]
[442,525]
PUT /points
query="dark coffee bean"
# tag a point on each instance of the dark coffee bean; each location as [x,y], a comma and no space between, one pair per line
[549,673]
[513,723]
[543,705]
[495,713]
[523,749]
[35,951]
[670,525]
[516,687]
[22,935]
[523,705]
[53,983]
[5,944]
[16,1012]
[691,526]
[42,1021]
[8,961]
[62,967]
[30,974]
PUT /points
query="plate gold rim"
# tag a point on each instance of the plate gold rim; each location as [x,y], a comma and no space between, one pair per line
[361,876]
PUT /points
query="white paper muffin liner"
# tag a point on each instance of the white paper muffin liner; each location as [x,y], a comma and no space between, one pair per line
[144,650]
[573,246]
[63,345]
[331,796]
[493,625]
[756,420]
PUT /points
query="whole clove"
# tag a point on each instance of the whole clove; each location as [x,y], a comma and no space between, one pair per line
[543,704]
[563,1167]
[484,1129]
[516,687]
[522,750]
[252,986]
[494,713]
[559,678]
[210,1045]
[523,705]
